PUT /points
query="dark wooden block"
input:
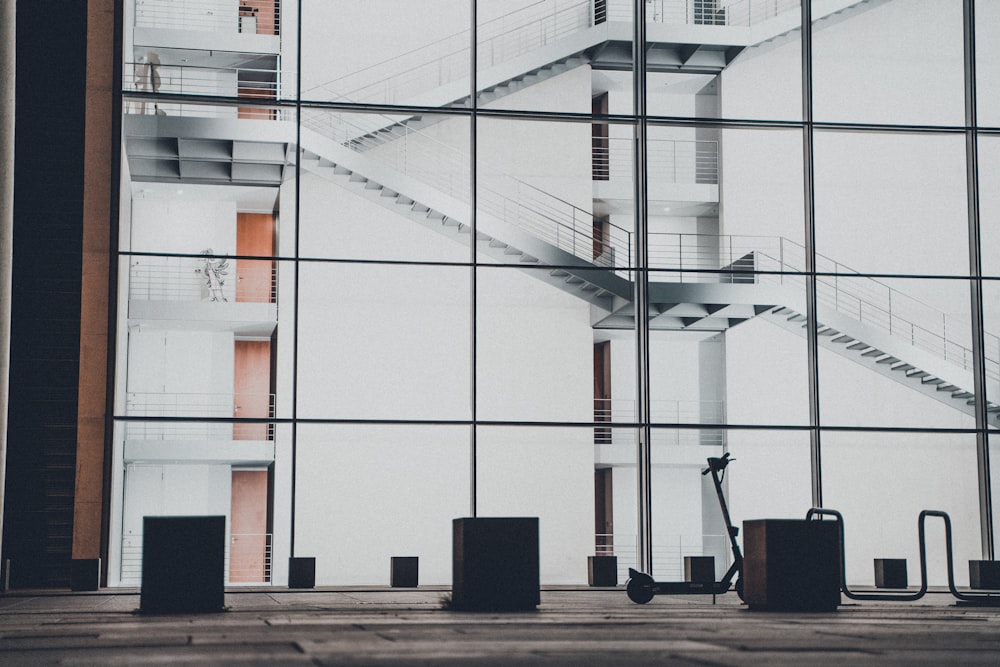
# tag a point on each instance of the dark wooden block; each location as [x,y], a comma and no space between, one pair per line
[890,573]
[404,571]
[699,569]
[602,570]
[183,564]
[302,572]
[495,564]
[984,574]
[791,565]
[85,574]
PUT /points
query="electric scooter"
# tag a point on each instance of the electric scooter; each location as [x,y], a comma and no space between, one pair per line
[641,587]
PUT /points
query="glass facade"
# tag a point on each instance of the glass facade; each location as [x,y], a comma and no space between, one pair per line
[381,265]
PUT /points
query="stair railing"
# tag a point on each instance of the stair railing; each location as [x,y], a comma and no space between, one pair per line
[447,60]
[446,168]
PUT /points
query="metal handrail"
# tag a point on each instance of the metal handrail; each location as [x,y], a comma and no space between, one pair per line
[194,405]
[781,261]
[208,15]
[516,202]
[668,160]
[193,430]
[446,60]
[186,279]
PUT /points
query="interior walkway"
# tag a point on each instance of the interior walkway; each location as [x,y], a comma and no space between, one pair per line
[571,627]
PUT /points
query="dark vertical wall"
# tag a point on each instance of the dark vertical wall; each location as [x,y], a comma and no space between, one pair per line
[45,305]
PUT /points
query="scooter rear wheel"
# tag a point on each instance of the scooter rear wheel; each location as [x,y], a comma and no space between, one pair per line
[640,588]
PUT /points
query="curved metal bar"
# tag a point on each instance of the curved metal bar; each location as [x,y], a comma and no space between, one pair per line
[897,597]
[992,598]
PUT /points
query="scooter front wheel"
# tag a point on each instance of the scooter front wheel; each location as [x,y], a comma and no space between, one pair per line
[639,588]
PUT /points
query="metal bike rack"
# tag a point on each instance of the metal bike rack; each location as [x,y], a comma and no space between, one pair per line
[976,598]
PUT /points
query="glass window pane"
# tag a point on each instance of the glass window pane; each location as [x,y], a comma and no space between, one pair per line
[547,472]
[388,504]
[554,55]
[386,51]
[383,341]
[399,195]
[989,204]
[892,358]
[912,73]
[871,477]
[891,203]
[988,62]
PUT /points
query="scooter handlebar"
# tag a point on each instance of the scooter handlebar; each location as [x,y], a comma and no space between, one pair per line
[717,463]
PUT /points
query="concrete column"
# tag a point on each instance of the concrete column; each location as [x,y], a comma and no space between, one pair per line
[7,61]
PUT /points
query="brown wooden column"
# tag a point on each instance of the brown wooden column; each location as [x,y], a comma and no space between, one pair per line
[97,198]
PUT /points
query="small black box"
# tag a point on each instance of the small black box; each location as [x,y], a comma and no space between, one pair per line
[495,564]
[984,574]
[85,574]
[890,573]
[699,569]
[602,570]
[183,564]
[302,572]
[403,571]
[791,565]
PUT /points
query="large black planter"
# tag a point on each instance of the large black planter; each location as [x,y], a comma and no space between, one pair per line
[791,565]
[183,564]
[301,572]
[495,564]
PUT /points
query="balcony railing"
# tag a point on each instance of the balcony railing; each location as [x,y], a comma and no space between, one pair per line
[668,160]
[702,12]
[195,405]
[668,552]
[203,279]
[257,17]
[198,431]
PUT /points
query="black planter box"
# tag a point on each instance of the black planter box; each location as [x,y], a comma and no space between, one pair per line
[302,572]
[984,574]
[791,565]
[85,574]
[890,573]
[403,571]
[602,570]
[183,564]
[495,564]
[699,569]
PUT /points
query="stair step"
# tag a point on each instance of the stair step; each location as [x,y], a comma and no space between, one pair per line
[511,250]
[480,236]
[529,259]
[574,280]
[372,185]
[947,387]
[873,353]
[796,318]
[451,222]
[888,360]
[386,192]
[558,273]
[904,367]
[358,178]
[589,287]
[858,346]
[342,171]
[959,395]
[918,374]
[843,339]
[497,244]
[420,208]
[405,201]
[932,380]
